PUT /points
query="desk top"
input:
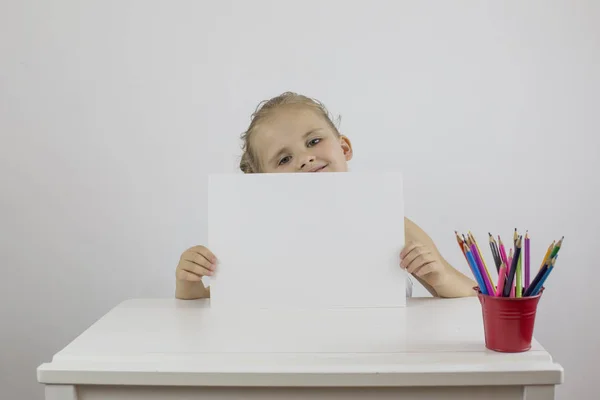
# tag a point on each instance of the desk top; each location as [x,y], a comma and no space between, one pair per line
[430,342]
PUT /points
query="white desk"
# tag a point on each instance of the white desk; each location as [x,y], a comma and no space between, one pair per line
[174,349]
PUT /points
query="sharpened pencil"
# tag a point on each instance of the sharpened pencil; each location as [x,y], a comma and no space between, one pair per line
[475,270]
[540,284]
[460,244]
[513,268]
[527,262]
[495,253]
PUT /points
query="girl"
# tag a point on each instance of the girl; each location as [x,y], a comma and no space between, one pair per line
[293,133]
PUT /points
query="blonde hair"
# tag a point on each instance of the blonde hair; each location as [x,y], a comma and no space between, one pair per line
[249,162]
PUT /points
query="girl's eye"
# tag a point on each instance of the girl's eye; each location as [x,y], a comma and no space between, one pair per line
[284,160]
[314,142]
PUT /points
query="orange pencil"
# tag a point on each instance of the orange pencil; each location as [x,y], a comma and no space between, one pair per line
[460,244]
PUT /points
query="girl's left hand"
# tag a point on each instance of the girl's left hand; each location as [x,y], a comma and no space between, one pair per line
[421,262]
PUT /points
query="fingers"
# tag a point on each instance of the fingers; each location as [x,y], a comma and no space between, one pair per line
[203,251]
[197,259]
[195,263]
[193,268]
[184,275]
[410,252]
[416,259]
[420,262]
[408,248]
[426,269]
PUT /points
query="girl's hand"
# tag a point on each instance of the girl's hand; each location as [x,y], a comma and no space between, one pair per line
[195,263]
[421,262]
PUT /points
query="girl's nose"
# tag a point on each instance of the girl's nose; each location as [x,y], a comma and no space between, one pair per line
[307,160]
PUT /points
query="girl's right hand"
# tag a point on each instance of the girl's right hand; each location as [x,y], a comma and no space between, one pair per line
[195,263]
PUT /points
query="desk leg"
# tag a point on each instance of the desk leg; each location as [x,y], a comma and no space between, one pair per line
[60,392]
[541,392]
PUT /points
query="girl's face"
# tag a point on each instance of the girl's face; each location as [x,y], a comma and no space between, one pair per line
[297,139]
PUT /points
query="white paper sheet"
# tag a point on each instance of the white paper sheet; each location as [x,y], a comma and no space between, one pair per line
[321,240]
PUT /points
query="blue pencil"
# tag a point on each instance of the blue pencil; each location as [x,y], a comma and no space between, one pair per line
[475,270]
[540,284]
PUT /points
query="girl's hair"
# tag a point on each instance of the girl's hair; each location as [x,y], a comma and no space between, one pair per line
[249,163]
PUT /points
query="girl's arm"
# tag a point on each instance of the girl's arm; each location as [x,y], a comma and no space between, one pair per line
[444,280]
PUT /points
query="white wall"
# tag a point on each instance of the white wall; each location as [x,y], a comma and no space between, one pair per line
[113,112]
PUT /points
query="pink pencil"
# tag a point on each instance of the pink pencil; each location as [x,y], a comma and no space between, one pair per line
[502,251]
[506,260]
[501,279]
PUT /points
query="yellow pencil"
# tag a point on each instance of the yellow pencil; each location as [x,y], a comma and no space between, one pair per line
[547,254]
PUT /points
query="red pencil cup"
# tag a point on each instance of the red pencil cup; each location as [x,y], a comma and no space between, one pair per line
[508,322]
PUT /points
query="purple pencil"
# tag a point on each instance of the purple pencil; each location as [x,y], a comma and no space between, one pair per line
[526,283]
[510,258]
[484,275]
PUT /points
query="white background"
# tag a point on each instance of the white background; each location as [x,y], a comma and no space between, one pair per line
[113,112]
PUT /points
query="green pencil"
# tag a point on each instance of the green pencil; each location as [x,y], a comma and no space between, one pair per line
[556,248]
[519,284]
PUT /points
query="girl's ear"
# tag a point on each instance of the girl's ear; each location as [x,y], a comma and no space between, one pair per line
[346,147]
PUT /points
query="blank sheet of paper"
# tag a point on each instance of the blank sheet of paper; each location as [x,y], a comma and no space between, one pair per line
[306,240]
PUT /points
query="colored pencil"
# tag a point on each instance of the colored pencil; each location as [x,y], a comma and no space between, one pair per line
[510,258]
[475,270]
[515,237]
[538,277]
[501,279]
[540,284]
[547,256]
[556,248]
[513,268]
[527,261]
[519,277]
[545,266]
[460,244]
[484,273]
[536,289]
[502,251]
[481,260]
[495,254]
